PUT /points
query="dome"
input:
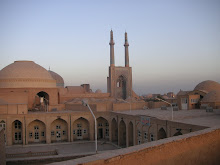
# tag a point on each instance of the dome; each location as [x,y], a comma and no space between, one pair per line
[58,78]
[25,74]
[98,91]
[207,86]
[213,96]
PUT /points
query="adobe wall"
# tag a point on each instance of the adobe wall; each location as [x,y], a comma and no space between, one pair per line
[153,105]
[197,148]
[126,106]
[2,147]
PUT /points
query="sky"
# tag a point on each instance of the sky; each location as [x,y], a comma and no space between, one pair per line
[174,44]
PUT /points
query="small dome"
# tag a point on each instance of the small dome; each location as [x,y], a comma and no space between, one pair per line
[98,91]
[213,96]
[25,74]
[207,86]
[58,78]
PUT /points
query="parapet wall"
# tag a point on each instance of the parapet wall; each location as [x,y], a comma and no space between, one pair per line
[197,148]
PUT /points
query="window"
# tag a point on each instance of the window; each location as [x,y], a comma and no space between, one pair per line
[17,125]
[64,132]
[58,127]
[145,135]
[52,133]
[36,128]
[84,131]
[58,134]
[139,142]
[79,125]
[107,132]
[139,133]
[30,134]
[2,124]
[36,135]
[151,137]
[79,132]
[74,132]
[106,124]
[42,134]
[100,125]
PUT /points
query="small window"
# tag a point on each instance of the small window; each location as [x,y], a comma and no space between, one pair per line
[100,124]
[79,125]
[30,134]
[42,134]
[85,131]
[52,133]
[106,124]
[139,133]
[145,135]
[64,132]
[107,132]
[74,132]
[151,137]
[139,142]
[36,127]
[58,127]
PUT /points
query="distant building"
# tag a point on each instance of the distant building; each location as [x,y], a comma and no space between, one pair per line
[206,93]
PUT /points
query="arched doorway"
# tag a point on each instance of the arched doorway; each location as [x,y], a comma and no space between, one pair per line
[130,134]
[81,129]
[161,134]
[3,125]
[59,130]
[121,87]
[102,128]
[36,132]
[41,101]
[122,134]
[17,132]
[114,131]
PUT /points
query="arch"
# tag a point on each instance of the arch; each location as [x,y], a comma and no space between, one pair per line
[17,132]
[177,133]
[161,134]
[122,134]
[41,101]
[81,129]
[36,132]
[59,130]
[130,134]
[114,125]
[102,128]
[121,87]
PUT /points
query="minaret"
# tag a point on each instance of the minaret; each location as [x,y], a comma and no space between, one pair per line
[126,51]
[111,43]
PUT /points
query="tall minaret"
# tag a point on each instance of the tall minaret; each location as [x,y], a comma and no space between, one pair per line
[126,51]
[111,43]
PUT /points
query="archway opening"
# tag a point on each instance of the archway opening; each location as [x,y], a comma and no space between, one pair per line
[36,132]
[59,131]
[81,129]
[130,134]
[102,128]
[121,87]
[41,101]
[161,134]
[122,134]
[114,131]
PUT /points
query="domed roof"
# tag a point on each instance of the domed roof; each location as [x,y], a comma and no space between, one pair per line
[58,78]
[207,86]
[21,74]
[213,96]
[98,91]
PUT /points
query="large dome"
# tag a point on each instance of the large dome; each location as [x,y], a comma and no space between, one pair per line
[213,96]
[58,78]
[207,86]
[25,74]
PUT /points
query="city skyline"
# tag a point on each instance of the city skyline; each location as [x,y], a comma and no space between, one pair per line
[173,45]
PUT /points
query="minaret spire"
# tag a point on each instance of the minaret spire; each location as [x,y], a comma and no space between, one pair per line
[111,43]
[126,51]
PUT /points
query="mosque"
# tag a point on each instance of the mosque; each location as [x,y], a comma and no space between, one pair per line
[36,107]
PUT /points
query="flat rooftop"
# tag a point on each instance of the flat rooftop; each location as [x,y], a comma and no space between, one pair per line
[195,116]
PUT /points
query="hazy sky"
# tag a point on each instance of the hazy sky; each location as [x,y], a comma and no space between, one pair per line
[173,44]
